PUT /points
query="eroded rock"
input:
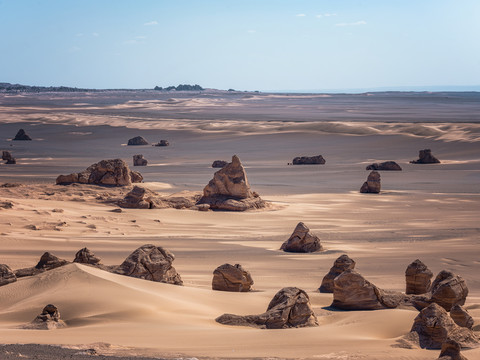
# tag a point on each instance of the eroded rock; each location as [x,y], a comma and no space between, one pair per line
[49,319]
[302,241]
[449,289]
[451,351]
[425,157]
[7,276]
[219,164]
[461,316]
[387,166]
[418,278]
[7,156]
[343,263]
[229,277]
[139,160]
[309,160]
[372,185]
[137,140]
[85,256]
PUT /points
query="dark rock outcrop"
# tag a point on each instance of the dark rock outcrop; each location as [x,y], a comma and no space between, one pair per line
[22,135]
[152,263]
[7,276]
[461,316]
[340,265]
[85,256]
[137,140]
[387,166]
[372,185]
[308,160]
[7,156]
[162,143]
[47,262]
[219,164]
[139,160]
[302,241]
[451,351]
[290,308]
[425,157]
[106,172]
[229,277]
[49,319]
[418,278]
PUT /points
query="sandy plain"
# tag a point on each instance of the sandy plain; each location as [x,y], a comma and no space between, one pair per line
[428,212]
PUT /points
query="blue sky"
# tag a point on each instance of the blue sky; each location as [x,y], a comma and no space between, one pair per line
[241,44]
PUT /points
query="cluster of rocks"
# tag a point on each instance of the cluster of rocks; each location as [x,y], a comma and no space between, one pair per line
[140,140]
[372,185]
[425,157]
[308,160]
[7,156]
[22,135]
[302,240]
[139,160]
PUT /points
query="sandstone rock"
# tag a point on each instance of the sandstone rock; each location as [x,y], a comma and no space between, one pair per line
[7,276]
[106,172]
[138,160]
[451,351]
[228,277]
[425,157]
[229,190]
[49,261]
[387,165]
[308,160]
[461,316]
[372,185]
[290,308]
[49,319]
[137,140]
[219,164]
[449,289]
[22,135]
[85,256]
[418,278]
[433,327]
[141,198]
[152,263]
[302,241]
[340,265]
[162,143]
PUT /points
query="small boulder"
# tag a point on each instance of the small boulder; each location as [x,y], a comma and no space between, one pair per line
[219,164]
[228,277]
[140,198]
[387,166]
[162,143]
[372,185]
[425,157]
[22,135]
[461,316]
[451,351]
[49,261]
[418,278]
[7,276]
[449,289]
[85,256]
[137,140]
[7,156]
[302,241]
[340,265]
[139,160]
[308,160]
[289,308]
[49,319]
[152,263]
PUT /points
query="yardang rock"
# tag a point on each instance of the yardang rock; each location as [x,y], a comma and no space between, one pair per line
[343,263]
[7,276]
[139,160]
[85,256]
[418,278]
[22,135]
[302,241]
[49,319]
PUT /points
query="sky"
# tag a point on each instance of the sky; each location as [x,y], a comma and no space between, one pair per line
[241,44]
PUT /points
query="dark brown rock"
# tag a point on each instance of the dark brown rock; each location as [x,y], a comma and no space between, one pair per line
[141,198]
[228,277]
[7,276]
[49,261]
[85,256]
[290,308]
[425,157]
[152,263]
[449,289]
[162,143]
[22,135]
[7,156]
[372,185]
[302,241]
[137,140]
[308,160]
[340,265]
[418,278]
[139,160]
[461,316]
[387,166]
[219,164]
[49,319]
[451,351]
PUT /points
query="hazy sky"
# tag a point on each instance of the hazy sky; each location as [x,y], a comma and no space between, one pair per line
[241,44]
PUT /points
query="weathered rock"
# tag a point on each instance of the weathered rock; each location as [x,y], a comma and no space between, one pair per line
[137,140]
[49,319]
[162,143]
[152,263]
[219,164]
[139,160]
[461,316]
[340,265]
[372,185]
[387,165]
[7,156]
[85,256]
[433,327]
[106,172]
[7,276]
[49,261]
[229,190]
[308,160]
[418,278]
[451,351]
[141,198]
[302,241]
[289,308]
[228,277]
[425,157]
[449,289]
[22,135]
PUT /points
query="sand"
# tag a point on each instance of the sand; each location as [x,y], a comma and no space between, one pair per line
[428,212]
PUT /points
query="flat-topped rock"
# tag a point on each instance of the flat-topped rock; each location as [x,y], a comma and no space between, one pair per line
[7,276]
[139,160]
[137,140]
[372,185]
[289,308]
[425,157]
[85,256]
[309,160]
[22,135]
[385,166]
[418,278]
[461,316]
[49,319]
[219,164]
[302,241]
[343,263]
[229,277]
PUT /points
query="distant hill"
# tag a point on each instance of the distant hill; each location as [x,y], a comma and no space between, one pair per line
[15,88]
[180,87]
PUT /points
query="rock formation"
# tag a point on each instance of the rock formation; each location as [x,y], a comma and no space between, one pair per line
[228,277]
[47,262]
[22,135]
[461,316]
[308,160]
[340,265]
[106,172]
[302,241]
[139,160]
[137,140]
[85,256]
[418,278]
[7,276]
[141,198]
[229,190]
[49,319]
[219,164]
[451,351]
[372,185]
[290,308]
[7,156]
[433,327]
[425,157]
[152,263]
[387,165]
[449,289]
[162,143]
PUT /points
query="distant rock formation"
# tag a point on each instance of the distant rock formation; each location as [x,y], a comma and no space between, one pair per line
[49,319]
[181,87]
[139,160]
[289,308]
[106,172]
[162,143]
[461,316]
[343,263]
[302,241]
[7,156]
[418,278]
[425,157]
[372,185]
[85,256]
[150,262]
[229,190]
[387,165]
[308,160]
[451,351]
[228,277]
[219,164]
[47,262]
[7,276]
[137,140]
[22,135]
